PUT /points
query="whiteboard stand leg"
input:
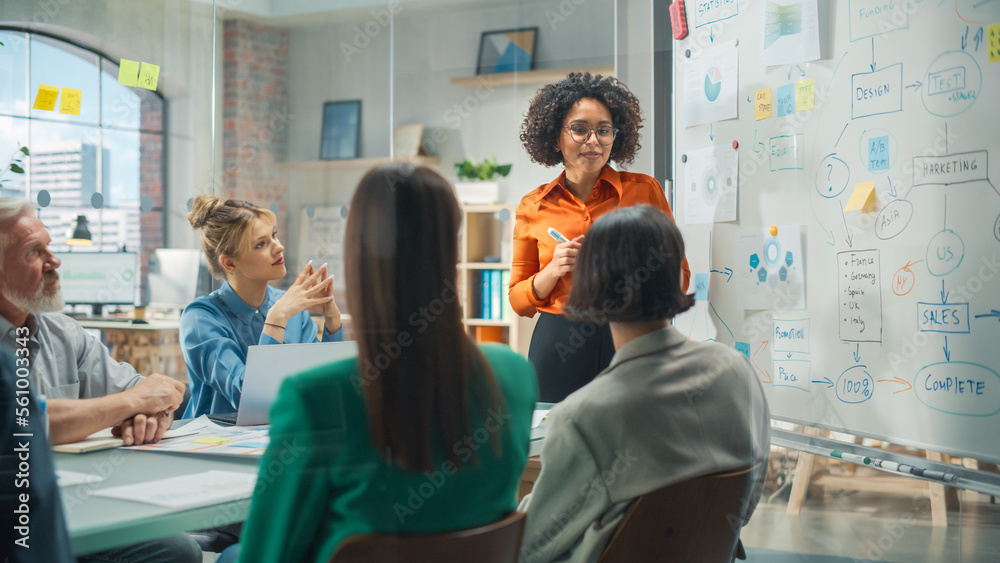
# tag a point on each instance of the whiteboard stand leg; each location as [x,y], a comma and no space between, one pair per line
[804,469]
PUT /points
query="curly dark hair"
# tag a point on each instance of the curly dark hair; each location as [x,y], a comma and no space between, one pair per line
[543,123]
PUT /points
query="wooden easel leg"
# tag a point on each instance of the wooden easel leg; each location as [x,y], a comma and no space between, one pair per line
[936,492]
[804,469]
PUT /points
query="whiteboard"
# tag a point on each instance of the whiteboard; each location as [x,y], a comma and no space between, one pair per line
[887,322]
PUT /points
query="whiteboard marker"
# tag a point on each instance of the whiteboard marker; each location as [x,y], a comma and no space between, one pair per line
[557,235]
[859,459]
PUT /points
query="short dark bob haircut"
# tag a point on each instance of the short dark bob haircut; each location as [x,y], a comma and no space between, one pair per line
[629,269]
[543,123]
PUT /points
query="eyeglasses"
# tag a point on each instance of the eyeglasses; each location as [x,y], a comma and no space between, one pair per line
[581,133]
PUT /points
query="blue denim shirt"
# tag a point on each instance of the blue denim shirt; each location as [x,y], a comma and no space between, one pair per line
[216,331]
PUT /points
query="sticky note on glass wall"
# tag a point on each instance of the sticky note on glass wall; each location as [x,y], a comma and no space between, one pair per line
[46,97]
[863,198]
[762,104]
[149,75]
[70,103]
[993,35]
[786,99]
[701,287]
[128,72]
[805,95]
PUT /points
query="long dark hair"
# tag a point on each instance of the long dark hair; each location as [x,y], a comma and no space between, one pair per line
[418,365]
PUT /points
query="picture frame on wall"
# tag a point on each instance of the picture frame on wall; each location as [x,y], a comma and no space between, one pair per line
[507,50]
[406,140]
[341,132]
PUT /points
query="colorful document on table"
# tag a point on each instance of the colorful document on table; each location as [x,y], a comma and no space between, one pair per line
[207,437]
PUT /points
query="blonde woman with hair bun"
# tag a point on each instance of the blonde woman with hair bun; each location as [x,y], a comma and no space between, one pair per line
[241,243]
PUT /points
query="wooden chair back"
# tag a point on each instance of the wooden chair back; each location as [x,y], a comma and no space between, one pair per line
[694,520]
[498,542]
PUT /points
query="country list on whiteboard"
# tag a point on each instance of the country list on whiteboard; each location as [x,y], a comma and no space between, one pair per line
[860,296]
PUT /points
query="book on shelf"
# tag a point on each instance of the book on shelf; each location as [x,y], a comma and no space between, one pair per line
[505,310]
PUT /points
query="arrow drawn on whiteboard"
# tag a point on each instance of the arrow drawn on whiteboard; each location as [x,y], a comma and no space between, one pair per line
[826,381]
[728,272]
[857,353]
[944,295]
[847,231]
[992,313]
[892,189]
[897,379]
[763,344]
[947,354]
[873,54]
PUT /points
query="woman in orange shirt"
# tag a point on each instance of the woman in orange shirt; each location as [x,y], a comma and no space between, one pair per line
[582,123]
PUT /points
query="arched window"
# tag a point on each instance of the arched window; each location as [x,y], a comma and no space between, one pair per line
[105,163]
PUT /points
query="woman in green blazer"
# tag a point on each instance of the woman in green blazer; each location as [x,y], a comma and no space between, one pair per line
[424,431]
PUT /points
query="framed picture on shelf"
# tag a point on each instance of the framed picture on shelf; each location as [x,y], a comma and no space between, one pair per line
[506,50]
[341,130]
[406,140]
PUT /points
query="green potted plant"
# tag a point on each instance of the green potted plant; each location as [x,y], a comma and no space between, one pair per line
[476,183]
[16,164]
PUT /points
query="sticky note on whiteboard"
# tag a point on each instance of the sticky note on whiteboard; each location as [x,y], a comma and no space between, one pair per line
[762,104]
[46,97]
[878,153]
[70,104]
[805,94]
[128,72]
[149,75]
[863,198]
[701,287]
[743,348]
[786,99]
[993,42]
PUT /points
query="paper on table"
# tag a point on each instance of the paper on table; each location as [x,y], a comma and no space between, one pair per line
[69,478]
[187,491]
[103,440]
[537,417]
[206,437]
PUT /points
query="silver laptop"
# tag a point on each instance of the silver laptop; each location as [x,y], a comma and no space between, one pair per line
[268,366]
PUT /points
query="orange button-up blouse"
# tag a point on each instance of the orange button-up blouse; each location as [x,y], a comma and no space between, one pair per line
[553,205]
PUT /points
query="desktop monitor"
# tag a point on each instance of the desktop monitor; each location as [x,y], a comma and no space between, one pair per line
[99,278]
[176,277]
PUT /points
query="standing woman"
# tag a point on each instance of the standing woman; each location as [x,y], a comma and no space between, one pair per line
[241,243]
[581,123]
[423,432]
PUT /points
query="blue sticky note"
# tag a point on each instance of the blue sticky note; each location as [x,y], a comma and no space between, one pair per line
[743,348]
[248,445]
[878,153]
[786,99]
[701,287]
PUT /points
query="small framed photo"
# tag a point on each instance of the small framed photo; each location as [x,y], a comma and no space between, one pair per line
[507,50]
[341,130]
[406,140]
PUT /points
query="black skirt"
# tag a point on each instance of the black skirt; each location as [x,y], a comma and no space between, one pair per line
[567,354]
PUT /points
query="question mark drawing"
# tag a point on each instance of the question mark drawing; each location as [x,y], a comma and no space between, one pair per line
[829,173]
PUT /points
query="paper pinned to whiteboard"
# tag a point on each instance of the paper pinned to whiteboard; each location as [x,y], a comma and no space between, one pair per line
[711,185]
[772,271]
[789,32]
[711,84]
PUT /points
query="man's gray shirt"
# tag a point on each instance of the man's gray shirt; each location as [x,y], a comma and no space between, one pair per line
[66,362]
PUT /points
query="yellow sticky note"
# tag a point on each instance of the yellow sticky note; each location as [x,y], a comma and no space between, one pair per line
[993,42]
[149,75]
[805,94]
[128,72]
[46,97]
[70,104]
[213,440]
[762,104]
[863,198]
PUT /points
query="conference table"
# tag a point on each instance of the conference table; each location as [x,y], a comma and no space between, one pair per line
[99,523]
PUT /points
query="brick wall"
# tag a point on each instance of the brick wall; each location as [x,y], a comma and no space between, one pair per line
[255,108]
